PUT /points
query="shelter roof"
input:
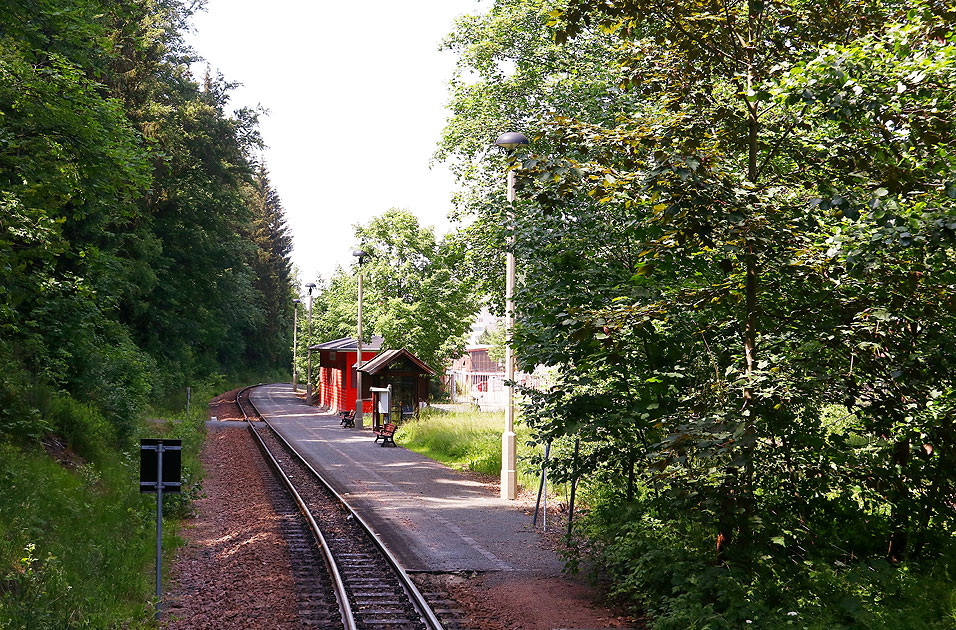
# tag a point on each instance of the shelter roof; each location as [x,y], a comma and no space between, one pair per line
[349,344]
[384,359]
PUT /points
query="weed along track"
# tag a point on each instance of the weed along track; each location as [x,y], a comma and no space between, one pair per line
[345,576]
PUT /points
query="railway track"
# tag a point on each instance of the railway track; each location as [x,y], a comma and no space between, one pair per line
[362,585]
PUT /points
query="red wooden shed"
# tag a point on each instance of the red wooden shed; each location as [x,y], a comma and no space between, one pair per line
[335,381]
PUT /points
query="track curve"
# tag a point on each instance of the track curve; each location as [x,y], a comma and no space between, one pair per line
[372,589]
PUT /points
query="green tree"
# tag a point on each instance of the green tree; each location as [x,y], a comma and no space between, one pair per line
[273,273]
[512,75]
[747,159]
[739,272]
[139,251]
[413,293]
[417,299]
[71,168]
[128,262]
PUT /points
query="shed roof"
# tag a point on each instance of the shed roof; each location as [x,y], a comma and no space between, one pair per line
[381,362]
[349,344]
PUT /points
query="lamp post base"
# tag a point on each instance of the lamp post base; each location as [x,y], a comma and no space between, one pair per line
[509,478]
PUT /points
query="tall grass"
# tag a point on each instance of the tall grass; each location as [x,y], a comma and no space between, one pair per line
[77,539]
[467,440]
[75,544]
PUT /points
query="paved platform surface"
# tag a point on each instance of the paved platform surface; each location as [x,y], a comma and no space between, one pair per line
[430,517]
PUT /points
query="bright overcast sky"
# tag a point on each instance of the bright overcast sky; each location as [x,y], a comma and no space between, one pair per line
[356,104]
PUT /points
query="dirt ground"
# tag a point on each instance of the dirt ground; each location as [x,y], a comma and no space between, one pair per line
[515,601]
[224,407]
[503,601]
[234,571]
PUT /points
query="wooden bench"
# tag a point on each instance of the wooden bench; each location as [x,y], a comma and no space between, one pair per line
[386,434]
[348,418]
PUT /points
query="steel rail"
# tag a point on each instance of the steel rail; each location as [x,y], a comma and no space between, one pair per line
[338,585]
[417,599]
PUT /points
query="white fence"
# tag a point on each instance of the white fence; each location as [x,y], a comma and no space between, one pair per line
[486,389]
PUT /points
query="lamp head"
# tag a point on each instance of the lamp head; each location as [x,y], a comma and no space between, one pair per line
[296,301]
[511,140]
[310,286]
[360,254]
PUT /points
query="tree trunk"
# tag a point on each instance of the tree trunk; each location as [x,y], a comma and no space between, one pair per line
[630,475]
[899,516]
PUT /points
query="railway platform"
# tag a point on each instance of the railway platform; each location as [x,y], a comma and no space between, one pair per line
[431,517]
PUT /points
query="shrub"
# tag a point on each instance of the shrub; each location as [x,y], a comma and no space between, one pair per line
[662,562]
[83,427]
[87,539]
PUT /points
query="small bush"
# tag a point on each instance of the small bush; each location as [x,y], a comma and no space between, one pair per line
[87,541]
[77,544]
[34,593]
[83,427]
[19,418]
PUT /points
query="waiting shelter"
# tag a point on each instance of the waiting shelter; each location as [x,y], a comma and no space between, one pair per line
[407,378]
[336,375]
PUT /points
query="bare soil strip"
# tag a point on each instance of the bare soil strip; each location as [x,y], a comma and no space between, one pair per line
[234,571]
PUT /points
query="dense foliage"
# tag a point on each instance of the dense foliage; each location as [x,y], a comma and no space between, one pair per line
[78,539]
[735,233]
[142,249]
[140,244]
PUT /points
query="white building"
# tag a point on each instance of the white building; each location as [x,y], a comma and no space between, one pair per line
[485,322]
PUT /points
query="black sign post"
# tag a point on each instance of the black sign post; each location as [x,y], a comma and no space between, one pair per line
[160,471]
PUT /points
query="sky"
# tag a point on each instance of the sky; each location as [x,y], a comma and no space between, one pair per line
[356,106]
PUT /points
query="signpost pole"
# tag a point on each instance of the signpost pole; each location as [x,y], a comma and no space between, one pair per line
[161,447]
[159,528]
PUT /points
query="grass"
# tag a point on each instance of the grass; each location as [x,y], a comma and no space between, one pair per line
[77,539]
[467,441]
[75,543]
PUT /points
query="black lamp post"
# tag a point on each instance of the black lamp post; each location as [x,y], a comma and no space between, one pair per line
[359,410]
[308,385]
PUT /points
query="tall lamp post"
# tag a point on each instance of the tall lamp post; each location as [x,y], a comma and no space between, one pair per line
[308,376]
[295,344]
[509,478]
[359,404]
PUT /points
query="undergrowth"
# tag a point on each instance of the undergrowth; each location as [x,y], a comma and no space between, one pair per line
[77,539]
[663,564]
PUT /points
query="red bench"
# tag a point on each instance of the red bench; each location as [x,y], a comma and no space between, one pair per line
[386,434]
